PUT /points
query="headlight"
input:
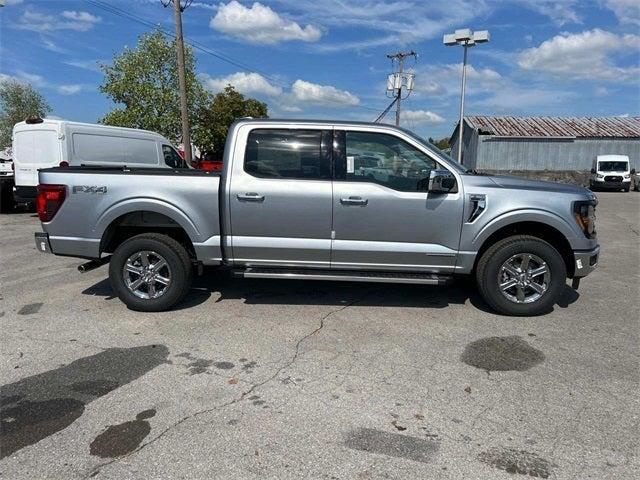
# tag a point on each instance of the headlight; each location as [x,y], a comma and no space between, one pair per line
[600,175]
[584,212]
[627,175]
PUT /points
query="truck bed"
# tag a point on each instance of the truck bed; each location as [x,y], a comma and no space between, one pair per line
[99,198]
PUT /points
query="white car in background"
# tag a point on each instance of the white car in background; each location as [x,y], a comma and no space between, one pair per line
[43,143]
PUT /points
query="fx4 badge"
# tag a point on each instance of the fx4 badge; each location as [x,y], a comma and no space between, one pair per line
[89,189]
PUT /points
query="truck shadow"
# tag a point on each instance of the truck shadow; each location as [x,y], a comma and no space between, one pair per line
[304,292]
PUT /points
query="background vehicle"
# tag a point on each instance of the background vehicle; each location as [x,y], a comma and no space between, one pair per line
[209,162]
[39,143]
[6,180]
[288,204]
[611,172]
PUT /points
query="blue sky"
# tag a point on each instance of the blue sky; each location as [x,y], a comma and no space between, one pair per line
[327,58]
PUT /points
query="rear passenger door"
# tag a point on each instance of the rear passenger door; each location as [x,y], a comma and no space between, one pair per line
[280,197]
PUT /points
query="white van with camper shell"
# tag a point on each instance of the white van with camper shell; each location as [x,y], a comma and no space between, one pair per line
[43,143]
[611,172]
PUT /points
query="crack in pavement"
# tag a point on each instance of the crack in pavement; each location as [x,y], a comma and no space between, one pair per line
[94,471]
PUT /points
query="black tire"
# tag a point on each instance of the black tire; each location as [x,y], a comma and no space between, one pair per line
[488,268]
[626,189]
[178,262]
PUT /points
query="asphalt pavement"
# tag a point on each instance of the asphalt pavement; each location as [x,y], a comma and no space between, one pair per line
[290,379]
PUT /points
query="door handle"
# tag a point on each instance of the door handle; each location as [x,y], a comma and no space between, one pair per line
[250,197]
[354,201]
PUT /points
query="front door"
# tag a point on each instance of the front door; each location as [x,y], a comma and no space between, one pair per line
[280,197]
[384,219]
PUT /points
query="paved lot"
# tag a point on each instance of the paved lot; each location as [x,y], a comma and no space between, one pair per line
[280,379]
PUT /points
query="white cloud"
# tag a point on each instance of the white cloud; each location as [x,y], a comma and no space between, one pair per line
[560,12]
[396,23]
[49,45]
[518,98]
[444,80]
[248,83]
[290,108]
[91,65]
[12,2]
[24,77]
[586,55]
[326,95]
[626,11]
[32,78]
[260,24]
[68,20]
[421,117]
[69,89]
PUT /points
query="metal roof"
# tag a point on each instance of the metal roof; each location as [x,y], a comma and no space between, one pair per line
[585,127]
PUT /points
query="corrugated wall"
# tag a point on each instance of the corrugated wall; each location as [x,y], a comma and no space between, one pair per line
[549,154]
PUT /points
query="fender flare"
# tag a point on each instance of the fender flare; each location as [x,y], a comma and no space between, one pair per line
[148,205]
[512,217]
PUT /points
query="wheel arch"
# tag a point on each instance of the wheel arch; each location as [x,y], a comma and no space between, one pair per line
[542,230]
[133,223]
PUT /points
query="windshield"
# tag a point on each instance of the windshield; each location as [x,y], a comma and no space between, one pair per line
[613,166]
[450,162]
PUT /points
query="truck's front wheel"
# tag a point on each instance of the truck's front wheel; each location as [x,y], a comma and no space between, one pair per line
[521,275]
[150,272]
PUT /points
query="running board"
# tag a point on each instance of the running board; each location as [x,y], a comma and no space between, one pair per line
[344,276]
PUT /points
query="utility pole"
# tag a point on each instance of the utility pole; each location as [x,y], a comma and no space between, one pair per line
[400,79]
[178,8]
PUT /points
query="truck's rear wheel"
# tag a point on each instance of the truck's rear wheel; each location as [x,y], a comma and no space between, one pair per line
[521,275]
[150,272]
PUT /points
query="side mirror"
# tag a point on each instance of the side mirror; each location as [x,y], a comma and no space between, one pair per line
[593,170]
[441,181]
[633,171]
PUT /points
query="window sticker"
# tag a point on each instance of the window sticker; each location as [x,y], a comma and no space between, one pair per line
[351,164]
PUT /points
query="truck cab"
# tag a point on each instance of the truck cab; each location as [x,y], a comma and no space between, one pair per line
[612,172]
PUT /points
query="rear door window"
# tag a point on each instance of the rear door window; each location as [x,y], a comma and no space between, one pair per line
[294,154]
[37,147]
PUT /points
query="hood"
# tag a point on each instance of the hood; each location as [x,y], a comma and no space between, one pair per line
[518,183]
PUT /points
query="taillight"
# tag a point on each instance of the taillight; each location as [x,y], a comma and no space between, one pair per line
[49,200]
[63,163]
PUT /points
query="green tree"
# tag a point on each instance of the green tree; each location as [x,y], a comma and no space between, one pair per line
[17,102]
[442,144]
[226,107]
[144,81]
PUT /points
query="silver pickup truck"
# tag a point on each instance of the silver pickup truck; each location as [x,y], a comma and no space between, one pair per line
[290,203]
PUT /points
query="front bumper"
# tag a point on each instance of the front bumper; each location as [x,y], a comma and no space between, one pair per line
[42,242]
[586,261]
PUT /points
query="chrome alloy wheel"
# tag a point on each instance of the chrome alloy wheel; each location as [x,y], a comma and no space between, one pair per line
[524,278]
[147,274]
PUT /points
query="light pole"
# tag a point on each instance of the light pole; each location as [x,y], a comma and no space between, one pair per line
[466,38]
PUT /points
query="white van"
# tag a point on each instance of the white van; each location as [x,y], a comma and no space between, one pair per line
[39,143]
[611,172]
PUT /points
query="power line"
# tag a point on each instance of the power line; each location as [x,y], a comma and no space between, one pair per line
[199,46]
